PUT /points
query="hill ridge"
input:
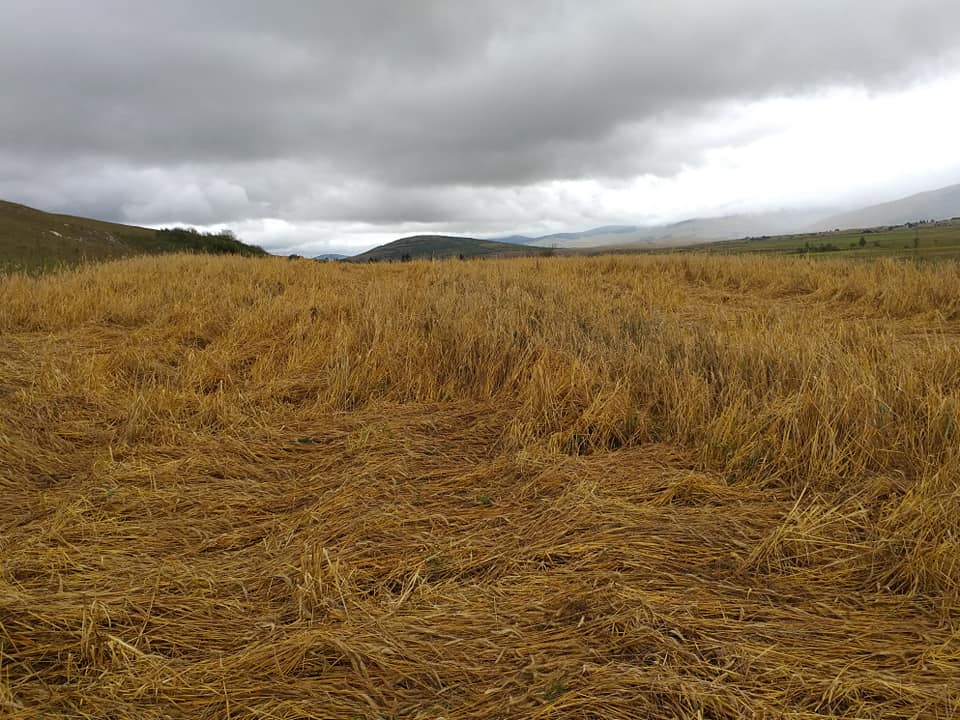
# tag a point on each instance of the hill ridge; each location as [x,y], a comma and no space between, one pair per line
[34,240]
[415,247]
[938,204]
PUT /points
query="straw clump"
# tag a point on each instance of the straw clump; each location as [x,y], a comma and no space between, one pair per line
[658,486]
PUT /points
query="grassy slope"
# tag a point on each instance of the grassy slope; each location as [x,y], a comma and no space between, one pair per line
[658,487]
[444,246]
[36,241]
[934,240]
[33,239]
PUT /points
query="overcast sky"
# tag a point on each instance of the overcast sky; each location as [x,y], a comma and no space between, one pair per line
[315,126]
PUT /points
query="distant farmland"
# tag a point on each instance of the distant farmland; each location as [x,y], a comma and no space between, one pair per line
[930,241]
[681,486]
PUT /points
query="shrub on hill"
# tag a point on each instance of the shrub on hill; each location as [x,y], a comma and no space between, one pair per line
[222,243]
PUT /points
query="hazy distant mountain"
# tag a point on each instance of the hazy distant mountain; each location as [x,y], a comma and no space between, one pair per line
[682,233]
[933,205]
[588,236]
[730,227]
[330,256]
[941,204]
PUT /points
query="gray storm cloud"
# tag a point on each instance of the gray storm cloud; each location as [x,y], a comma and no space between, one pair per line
[386,112]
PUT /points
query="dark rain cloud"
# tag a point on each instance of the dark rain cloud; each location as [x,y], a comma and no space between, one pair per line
[393,112]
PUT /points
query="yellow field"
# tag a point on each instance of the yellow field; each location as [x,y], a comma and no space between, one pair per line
[631,487]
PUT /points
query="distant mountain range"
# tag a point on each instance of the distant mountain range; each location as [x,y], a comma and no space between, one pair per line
[542,240]
[941,204]
[687,232]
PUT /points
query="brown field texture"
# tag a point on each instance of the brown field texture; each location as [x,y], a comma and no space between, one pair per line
[613,487]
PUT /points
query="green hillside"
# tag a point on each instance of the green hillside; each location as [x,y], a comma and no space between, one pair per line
[921,240]
[443,246]
[35,241]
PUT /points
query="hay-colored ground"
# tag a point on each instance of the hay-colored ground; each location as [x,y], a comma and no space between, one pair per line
[631,487]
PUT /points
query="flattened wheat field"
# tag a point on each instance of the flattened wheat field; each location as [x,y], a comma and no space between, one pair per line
[614,487]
